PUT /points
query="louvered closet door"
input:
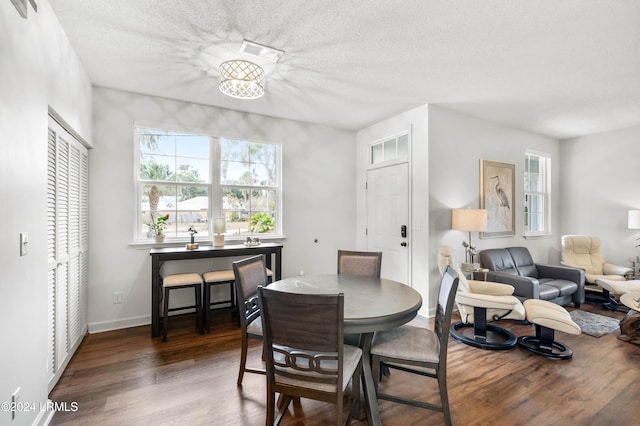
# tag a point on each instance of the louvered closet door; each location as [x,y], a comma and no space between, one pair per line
[67,235]
[51,255]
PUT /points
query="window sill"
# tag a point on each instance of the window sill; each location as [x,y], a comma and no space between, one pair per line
[537,236]
[177,242]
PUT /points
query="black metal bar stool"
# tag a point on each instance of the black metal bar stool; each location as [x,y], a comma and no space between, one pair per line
[176,281]
[213,278]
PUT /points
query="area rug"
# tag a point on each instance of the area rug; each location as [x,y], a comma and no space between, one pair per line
[594,324]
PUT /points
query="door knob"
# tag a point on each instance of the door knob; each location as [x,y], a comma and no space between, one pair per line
[403,244]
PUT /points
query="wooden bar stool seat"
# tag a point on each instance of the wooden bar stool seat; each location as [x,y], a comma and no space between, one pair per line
[176,281]
[212,278]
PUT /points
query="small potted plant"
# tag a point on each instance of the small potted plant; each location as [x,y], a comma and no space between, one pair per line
[157,227]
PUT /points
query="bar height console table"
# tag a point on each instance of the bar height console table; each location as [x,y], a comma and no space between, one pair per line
[161,255]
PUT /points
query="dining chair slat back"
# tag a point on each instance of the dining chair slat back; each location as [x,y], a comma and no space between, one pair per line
[305,353]
[360,263]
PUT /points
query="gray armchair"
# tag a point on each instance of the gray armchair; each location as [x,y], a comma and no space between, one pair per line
[515,266]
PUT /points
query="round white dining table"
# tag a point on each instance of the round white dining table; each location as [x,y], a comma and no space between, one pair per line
[370,304]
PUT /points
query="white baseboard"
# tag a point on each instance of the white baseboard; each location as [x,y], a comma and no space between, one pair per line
[98,327]
[44,417]
[427,312]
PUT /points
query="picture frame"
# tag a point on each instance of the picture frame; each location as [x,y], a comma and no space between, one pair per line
[497,196]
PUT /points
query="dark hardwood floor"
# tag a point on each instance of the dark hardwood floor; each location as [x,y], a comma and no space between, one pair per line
[126,378]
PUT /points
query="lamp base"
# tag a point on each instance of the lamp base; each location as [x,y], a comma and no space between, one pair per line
[218,240]
[469,267]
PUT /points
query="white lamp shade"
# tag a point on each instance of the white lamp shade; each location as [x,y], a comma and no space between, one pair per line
[469,220]
[634,219]
[219,226]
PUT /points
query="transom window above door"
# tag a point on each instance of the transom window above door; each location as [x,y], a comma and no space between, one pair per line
[390,149]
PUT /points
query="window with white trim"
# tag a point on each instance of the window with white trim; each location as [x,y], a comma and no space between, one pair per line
[196,178]
[537,167]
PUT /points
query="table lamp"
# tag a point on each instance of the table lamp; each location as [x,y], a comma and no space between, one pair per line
[469,220]
[634,223]
[219,228]
[634,219]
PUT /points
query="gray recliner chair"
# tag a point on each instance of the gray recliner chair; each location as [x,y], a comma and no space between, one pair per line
[515,266]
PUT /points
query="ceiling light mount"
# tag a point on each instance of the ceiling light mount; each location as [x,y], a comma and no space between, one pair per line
[268,53]
[241,79]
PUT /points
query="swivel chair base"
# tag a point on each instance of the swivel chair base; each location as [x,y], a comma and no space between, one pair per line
[545,346]
[545,315]
[604,297]
[556,350]
[612,304]
[489,337]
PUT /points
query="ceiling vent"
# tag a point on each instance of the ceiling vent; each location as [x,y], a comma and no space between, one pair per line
[261,51]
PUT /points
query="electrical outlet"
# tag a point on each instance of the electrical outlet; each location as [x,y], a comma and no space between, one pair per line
[117,297]
[15,399]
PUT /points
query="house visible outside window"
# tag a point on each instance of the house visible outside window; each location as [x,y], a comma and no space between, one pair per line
[537,168]
[196,178]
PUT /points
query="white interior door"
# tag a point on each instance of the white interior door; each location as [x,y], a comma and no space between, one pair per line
[387,217]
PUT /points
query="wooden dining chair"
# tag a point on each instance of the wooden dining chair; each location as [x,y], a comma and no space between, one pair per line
[249,273]
[360,263]
[305,353]
[364,263]
[419,350]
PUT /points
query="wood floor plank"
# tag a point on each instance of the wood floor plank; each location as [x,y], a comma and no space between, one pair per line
[124,377]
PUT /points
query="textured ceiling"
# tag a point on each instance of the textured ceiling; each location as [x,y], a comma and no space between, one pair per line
[560,68]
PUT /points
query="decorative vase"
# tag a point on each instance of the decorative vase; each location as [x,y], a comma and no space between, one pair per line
[154,197]
[160,238]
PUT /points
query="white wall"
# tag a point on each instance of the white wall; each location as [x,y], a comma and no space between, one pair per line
[457,142]
[318,194]
[416,122]
[600,182]
[39,69]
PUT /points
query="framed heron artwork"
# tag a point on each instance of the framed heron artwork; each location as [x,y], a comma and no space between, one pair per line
[497,196]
